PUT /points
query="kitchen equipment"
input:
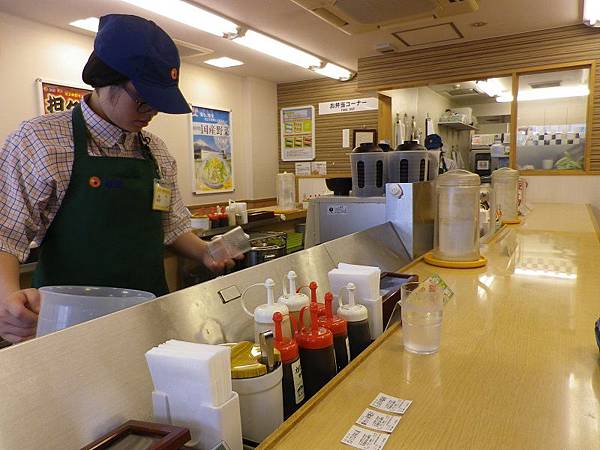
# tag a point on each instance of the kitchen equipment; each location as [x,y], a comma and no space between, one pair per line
[408,163]
[422,310]
[293,300]
[230,245]
[368,163]
[292,383]
[65,306]
[357,318]
[339,186]
[481,162]
[505,185]
[254,216]
[265,246]
[286,191]
[339,329]
[260,391]
[456,236]
[317,354]
[263,314]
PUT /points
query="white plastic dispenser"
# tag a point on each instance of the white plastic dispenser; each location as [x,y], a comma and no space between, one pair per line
[263,314]
[292,299]
[357,318]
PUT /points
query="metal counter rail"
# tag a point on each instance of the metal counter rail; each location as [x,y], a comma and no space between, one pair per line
[65,389]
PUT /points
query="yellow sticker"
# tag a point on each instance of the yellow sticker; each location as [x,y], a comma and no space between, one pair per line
[162,198]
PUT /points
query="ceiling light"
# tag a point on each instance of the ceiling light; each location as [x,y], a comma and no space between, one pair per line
[223,62]
[591,13]
[333,71]
[491,87]
[189,14]
[272,47]
[547,94]
[90,24]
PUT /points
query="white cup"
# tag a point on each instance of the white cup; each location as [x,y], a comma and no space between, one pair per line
[547,164]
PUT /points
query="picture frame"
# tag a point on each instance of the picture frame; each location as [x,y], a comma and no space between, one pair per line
[362,135]
[142,435]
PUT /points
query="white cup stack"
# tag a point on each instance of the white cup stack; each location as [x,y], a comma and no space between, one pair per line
[366,280]
[192,389]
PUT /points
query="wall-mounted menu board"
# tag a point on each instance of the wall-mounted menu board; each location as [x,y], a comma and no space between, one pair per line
[297,133]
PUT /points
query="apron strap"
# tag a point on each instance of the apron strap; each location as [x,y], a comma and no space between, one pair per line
[79,132]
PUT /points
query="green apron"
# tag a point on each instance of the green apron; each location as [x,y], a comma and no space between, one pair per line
[105,232]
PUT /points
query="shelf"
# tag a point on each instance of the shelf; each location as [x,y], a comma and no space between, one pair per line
[457,125]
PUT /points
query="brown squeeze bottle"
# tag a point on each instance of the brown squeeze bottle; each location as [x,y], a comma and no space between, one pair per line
[292,384]
[313,298]
[339,328]
[317,354]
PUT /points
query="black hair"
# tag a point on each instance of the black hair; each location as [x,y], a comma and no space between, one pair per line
[98,74]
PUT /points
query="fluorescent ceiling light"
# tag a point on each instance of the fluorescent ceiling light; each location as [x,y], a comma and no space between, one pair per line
[332,71]
[547,93]
[591,13]
[90,24]
[272,47]
[490,87]
[223,62]
[190,15]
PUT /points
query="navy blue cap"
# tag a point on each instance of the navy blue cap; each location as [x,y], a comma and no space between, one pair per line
[144,53]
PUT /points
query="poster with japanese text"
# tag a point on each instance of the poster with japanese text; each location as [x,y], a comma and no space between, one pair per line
[212,147]
[59,97]
[297,133]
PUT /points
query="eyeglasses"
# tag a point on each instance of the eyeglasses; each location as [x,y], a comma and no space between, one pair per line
[142,106]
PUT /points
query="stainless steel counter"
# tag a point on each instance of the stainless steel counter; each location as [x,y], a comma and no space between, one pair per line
[64,390]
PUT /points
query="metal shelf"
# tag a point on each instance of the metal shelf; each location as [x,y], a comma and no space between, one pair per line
[457,125]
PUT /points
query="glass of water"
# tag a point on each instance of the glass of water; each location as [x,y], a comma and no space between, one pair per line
[422,308]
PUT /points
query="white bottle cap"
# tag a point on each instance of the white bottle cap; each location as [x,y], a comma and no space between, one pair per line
[264,313]
[351,312]
[294,301]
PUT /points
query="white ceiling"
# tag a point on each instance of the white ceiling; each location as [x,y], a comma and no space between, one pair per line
[285,20]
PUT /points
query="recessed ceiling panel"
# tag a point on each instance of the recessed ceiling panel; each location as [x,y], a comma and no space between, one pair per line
[429,34]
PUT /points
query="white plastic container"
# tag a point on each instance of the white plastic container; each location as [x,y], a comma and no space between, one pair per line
[65,306]
[263,314]
[230,245]
[261,404]
[456,236]
[294,301]
[505,184]
[286,191]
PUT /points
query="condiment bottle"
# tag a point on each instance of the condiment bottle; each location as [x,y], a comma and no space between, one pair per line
[317,354]
[357,317]
[339,328]
[214,219]
[293,386]
[313,298]
[292,299]
[263,314]
[223,217]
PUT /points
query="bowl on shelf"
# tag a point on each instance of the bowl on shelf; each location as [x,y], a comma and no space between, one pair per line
[339,186]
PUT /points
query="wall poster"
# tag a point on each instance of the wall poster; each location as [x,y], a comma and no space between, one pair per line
[212,150]
[55,97]
[297,133]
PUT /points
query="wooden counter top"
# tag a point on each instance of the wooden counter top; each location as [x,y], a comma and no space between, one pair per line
[518,366]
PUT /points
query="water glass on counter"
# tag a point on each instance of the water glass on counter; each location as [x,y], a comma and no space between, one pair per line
[422,310]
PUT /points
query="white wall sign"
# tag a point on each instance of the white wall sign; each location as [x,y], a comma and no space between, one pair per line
[345,106]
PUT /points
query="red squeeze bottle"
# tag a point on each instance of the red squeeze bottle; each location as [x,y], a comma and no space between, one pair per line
[313,299]
[213,217]
[293,386]
[317,353]
[339,328]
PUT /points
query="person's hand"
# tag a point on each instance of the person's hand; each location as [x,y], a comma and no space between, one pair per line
[19,314]
[218,266]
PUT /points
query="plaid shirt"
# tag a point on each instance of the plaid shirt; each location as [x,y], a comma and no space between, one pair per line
[35,170]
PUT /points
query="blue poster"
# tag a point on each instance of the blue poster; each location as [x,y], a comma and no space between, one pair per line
[211,134]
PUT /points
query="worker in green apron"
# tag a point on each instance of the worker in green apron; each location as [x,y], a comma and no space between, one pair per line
[96,193]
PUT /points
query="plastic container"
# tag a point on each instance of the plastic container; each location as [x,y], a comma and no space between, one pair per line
[408,164]
[286,191]
[339,329]
[260,392]
[456,236]
[232,244]
[317,354]
[422,311]
[505,184]
[294,301]
[292,383]
[369,171]
[65,306]
[357,318]
[237,213]
[263,314]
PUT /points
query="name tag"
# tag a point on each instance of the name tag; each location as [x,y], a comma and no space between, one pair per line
[162,197]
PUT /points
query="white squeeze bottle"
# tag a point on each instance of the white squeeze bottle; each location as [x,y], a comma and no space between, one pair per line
[263,314]
[292,299]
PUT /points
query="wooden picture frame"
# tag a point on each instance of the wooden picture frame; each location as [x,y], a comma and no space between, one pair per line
[158,437]
[362,135]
